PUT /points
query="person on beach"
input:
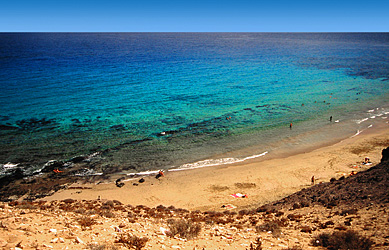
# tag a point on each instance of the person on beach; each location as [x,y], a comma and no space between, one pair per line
[331,118]
[290,126]
[160,174]
[313,180]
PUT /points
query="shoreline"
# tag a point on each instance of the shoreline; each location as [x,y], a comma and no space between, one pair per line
[262,180]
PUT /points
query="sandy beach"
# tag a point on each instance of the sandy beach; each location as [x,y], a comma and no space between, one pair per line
[261,181]
[281,210]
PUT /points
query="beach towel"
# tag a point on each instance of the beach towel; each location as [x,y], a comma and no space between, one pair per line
[239,195]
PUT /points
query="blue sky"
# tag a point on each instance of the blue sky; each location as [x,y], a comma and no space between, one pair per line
[194,15]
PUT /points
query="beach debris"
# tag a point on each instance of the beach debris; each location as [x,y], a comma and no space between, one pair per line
[228,206]
[141,180]
[239,195]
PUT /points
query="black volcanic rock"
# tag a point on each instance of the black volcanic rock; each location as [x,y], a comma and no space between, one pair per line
[385,155]
[16,174]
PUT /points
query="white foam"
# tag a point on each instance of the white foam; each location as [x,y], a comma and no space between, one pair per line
[371,110]
[357,133]
[144,173]
[214,162]
[10,165]
[89,172]
[363,120]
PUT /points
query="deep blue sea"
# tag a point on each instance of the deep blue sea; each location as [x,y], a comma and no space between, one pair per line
[133,102]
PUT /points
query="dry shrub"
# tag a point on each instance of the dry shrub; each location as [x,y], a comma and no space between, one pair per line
[272,226]
[295,217]
[348,211]
[86,221]
[243,212]
[184,229]
[217,188]
[131,241]
[107,214]
[27,205]
[257,245]
[294,248]
[80,211]
[342,240]
[326,224]
[101,247]
[306,229]
[245,185]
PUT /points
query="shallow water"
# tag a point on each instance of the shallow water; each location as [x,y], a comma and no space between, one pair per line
[147,101]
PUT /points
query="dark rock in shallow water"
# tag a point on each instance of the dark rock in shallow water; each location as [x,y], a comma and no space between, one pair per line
[16,174]
[33,123]
[77,159]
[118,127]
[7,127]
[50,166]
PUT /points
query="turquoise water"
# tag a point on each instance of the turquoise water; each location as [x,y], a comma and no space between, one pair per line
[146,101]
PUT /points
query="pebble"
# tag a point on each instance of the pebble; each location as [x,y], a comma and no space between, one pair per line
[79,241]
[53,231]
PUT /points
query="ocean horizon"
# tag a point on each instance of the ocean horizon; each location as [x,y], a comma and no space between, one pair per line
[139,102]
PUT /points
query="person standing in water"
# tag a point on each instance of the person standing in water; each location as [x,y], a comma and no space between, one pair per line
[331,118]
